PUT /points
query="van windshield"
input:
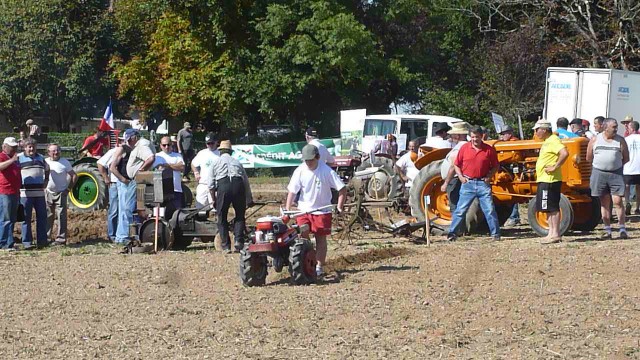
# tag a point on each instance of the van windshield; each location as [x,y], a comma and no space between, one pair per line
[375,127]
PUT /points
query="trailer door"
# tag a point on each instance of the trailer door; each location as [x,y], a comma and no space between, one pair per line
[594,95]
[561,94]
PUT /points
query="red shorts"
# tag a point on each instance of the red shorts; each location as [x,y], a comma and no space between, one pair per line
[319,224]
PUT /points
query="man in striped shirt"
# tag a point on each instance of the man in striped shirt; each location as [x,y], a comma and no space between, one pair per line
[35,175]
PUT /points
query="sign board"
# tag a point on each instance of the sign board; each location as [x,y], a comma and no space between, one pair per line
[351,125]
[498,122]
[277,155]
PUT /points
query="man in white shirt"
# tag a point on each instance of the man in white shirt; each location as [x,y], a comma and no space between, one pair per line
[451,182]
[61,177]
[201,166]
[405,167]
[315,180]
[312,138]
[439,139]
[167,158]
[110,181]
[631,170]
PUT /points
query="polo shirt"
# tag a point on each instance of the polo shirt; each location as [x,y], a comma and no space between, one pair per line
[476,163]
[99,147]
[10,178]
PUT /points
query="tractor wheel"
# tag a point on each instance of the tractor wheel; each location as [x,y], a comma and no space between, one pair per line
[428,182]
[253,268]
[188,196]
[89,192]
[387,181]
[587,215]
[538,220]
[302,262]
[165,235]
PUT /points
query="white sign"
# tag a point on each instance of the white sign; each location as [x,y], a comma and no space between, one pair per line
[498,122]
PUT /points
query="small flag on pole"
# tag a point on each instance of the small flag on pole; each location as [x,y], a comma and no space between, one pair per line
[106,123]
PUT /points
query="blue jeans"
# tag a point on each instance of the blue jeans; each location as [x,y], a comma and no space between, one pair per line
[468,192]
[126,208]
[112,214]
[39,204]
[8,215]
[515,214]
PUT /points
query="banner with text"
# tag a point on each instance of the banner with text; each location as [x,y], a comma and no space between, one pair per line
[277,155]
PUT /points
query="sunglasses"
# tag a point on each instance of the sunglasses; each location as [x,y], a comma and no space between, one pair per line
[165,144]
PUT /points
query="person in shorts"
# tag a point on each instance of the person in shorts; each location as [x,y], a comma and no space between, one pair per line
[549,178]
[315,179]
[608,152]
[631,170]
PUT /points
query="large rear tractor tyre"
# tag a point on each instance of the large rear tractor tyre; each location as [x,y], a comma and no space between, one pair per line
[188,196]
[587,215]
[302,262]
[428,182]
[253,268]
[90,191]
[538,220]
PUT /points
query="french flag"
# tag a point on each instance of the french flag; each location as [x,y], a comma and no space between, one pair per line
[106,123]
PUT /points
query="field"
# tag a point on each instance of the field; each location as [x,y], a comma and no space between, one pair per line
[383,297]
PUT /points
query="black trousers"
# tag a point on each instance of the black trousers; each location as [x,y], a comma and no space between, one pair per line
[187,156]
[231,192]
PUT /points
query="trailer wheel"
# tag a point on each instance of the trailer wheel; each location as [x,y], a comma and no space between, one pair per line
[538,220]
[587,215]
[148,232]
[253,267]
[90,191]
[302,262]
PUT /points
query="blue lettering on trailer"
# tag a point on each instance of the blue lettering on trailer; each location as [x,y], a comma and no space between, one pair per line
[624,90]
[561,86]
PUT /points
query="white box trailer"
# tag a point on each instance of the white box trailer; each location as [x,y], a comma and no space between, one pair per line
[587,93]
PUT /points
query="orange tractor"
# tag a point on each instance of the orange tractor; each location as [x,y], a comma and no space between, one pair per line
[514,183]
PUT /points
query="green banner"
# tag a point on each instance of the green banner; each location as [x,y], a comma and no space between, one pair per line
[277,155]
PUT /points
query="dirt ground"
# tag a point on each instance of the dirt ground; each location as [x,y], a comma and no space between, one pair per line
[383,297]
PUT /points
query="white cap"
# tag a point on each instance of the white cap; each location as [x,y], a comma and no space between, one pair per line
[542,123]
[11,141]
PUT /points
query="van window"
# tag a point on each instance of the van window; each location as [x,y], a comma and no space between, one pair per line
[375,127]
[421,128]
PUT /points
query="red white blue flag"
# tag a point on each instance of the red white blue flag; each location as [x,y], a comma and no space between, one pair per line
[106,123]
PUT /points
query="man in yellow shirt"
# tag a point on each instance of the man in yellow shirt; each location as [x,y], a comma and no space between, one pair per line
[549,177]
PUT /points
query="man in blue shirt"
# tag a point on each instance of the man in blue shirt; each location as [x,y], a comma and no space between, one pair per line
[563,133]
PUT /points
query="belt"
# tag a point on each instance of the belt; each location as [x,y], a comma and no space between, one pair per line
[476,179]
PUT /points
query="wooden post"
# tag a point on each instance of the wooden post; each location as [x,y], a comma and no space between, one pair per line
[155,240]
[426,219]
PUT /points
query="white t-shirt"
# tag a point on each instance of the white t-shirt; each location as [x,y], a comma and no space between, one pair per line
[105,161]
[437,142]
[408,168]
[171,159]
[204,160]
[446,164]
[325,157]
[143,150]
[633,166]
[316,186]
[59,174]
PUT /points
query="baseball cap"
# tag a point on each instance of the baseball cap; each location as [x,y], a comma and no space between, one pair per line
[311,131]
[586,123]
[506,128]
[11,141]
[542,123]
[309,152]
[129,133]
[576,121]
[210,138]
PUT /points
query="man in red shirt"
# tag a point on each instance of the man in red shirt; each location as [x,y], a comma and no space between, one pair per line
[95,145]
[10,182]
[475,165]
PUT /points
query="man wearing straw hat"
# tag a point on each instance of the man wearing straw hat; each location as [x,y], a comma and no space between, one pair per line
[451,184]
[230,186]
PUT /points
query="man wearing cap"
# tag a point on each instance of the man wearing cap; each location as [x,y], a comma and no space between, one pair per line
[475,165]
[549,178]
[627,129]
[576,127]
[111,181]
[10,182]
[315,180]
[62,177]
[562,125]
[126,184]
[608,152]
[201,166]
[32,128]
[451,184]
[507,134]
[438,140]
[230,186]
[311,135]
[631,170]
[167,158]
[185,147]
[35,175]
[405,167]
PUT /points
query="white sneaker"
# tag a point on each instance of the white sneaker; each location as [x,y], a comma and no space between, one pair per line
[319,271]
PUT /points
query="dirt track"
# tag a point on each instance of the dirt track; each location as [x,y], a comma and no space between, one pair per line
[382,298]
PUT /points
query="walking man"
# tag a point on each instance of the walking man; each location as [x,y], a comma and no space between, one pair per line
[10,182]
[475,165]
[62,177]
[230,186]
[201,166]
[110,181]
[315,180]
[185,147]
[166,157]
[35,175]
[608,153]
[631,169]
[549,177]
